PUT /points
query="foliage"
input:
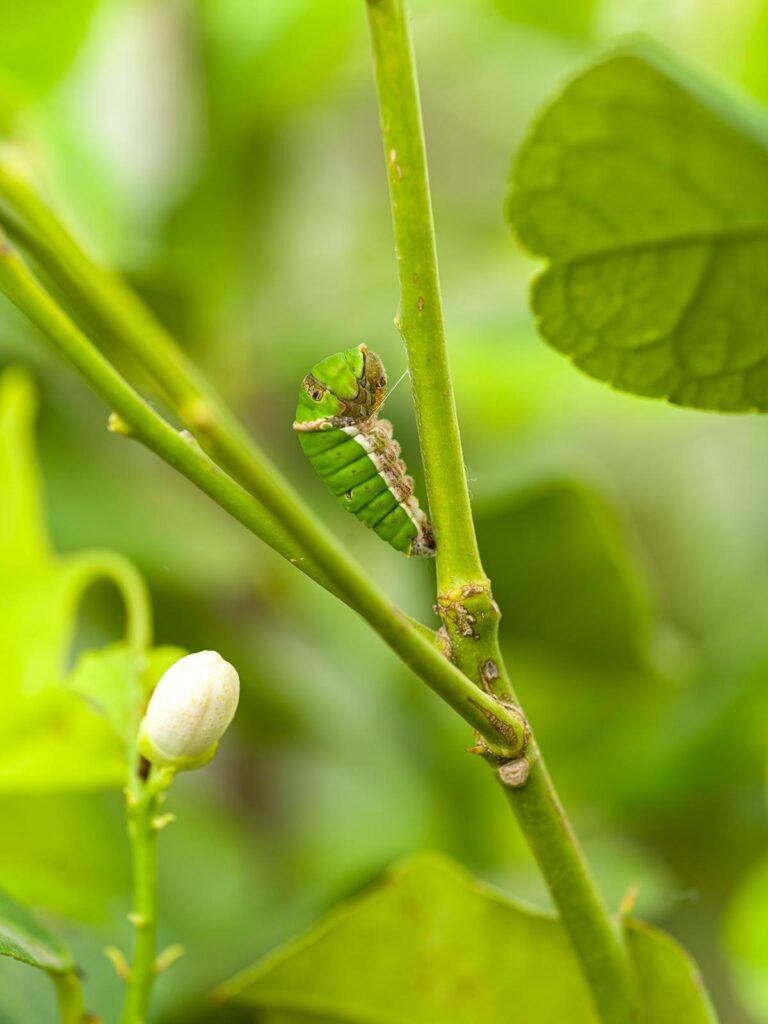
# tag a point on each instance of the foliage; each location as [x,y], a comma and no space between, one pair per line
[50,737]
[459,951]
[25,939]
[258,231]
[645,189]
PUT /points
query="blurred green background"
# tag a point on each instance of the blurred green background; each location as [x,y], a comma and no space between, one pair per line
[224,154]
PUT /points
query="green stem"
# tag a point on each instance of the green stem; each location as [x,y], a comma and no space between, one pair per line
[103,300]
[464,595]
[420,317]
[501,727]
[69,997]
[143,800]
[91,566]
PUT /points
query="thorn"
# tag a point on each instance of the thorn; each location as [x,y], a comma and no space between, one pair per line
[118,961]
[162,820]
[117,425]
[629,899]
[138,920]
[169,956]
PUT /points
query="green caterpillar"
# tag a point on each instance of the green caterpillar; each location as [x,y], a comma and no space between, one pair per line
[353,450]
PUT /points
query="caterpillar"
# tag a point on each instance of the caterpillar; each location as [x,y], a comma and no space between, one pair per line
[354,451]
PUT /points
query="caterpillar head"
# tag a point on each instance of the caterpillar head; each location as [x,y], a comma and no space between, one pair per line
[349,384]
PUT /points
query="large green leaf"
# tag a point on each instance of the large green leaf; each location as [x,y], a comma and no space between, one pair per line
[647,192]
[52,740]
[429,944]
[23,938]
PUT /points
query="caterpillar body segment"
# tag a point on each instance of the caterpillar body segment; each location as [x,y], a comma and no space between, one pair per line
[354,451]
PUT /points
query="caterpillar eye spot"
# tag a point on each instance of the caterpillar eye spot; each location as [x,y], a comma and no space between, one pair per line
[316,395]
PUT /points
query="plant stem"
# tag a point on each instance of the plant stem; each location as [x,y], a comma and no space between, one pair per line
[102,299]
[501,727]
[69,997]
[143,802]
[90,566]
[464,596]
[420,317]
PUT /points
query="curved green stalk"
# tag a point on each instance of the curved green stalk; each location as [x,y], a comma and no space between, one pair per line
[501,726]
[464,595]
[91,566]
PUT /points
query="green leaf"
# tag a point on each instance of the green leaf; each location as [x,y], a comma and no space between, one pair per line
[31,62]
[572,591]
[51,739]
[117,683]
[646,190]
[52,841]
[110,680]
[429,944]
[23,938]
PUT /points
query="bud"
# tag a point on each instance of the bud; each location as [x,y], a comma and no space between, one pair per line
[189,711]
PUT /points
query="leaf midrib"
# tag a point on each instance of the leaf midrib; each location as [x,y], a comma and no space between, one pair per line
[714,236]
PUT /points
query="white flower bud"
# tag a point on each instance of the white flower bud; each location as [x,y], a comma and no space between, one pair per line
[189,711]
